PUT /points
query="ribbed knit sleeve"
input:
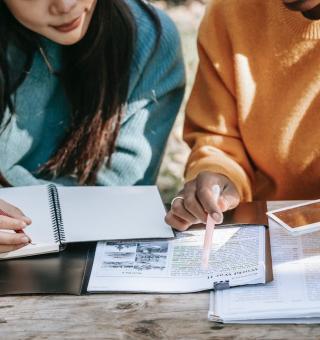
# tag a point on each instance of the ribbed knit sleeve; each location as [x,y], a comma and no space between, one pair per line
[211,126]
[155,94]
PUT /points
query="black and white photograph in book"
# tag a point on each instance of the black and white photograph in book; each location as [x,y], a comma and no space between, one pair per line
[138,256]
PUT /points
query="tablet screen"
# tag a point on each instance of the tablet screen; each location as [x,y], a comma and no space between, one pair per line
[300,216]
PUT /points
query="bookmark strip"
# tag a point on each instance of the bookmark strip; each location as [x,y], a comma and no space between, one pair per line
[56,217]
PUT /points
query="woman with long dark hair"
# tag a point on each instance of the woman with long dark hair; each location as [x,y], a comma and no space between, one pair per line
[89,90]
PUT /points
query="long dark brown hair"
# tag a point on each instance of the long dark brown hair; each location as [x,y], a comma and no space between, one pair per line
[95,76]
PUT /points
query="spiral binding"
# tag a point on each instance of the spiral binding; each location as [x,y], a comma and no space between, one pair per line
[56,217]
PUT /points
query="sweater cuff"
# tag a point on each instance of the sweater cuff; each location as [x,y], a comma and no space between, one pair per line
[228,168]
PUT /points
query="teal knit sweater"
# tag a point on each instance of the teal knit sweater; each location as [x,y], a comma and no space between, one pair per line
[42,111]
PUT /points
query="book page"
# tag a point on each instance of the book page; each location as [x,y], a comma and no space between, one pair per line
[295,291]
[112,213]
[33,201]
[296,321]
[31,250]
[175,265]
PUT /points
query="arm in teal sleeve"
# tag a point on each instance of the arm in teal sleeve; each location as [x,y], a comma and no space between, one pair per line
[20,176]
[141,143]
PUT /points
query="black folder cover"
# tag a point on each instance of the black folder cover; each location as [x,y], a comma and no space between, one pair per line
[68,272]
[56,273]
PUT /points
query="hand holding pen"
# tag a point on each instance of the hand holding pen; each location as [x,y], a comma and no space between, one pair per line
[193,204]
[11,218]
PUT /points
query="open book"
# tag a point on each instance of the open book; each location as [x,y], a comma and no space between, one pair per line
[292,297]
[240,255]
[62,215]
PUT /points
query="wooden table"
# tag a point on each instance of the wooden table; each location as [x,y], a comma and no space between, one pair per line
[120,316]
[128,316]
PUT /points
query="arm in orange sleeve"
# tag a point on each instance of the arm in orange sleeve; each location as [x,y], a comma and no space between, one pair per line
[211,124]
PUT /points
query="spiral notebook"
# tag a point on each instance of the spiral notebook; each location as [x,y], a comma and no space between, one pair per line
[62,215]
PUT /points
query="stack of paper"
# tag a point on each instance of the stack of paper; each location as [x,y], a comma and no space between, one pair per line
[293,296]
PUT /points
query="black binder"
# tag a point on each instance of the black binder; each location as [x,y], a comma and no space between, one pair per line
[68,272]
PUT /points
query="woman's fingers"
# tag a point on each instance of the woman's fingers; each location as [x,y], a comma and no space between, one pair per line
[26,219]
[210,203]
[187,211]
[178,217]
[191,203]
[176,222]
[7,238]
[227,199]
[199,200]
[11,218]
[178,209]
[14,212]
[230,197]
[209,200]
[12,247]
[10,223]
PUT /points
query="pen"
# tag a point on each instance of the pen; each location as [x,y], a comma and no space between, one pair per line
[210,225]
[19,231]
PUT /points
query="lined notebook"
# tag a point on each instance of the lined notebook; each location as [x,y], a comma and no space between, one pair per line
[62,215]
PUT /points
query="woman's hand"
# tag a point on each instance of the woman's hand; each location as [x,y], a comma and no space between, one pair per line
[196,200]
[17,221]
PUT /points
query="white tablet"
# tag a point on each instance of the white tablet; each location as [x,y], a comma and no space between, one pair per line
[300,218]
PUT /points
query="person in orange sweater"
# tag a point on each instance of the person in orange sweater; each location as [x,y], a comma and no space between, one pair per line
[253,118]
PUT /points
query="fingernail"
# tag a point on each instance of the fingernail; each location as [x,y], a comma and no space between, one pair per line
[217,217]
[24,239]
[28,220]
[22,224]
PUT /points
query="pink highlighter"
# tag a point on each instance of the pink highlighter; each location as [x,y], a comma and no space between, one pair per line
[209,231]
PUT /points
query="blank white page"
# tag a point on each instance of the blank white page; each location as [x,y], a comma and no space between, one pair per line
[33,201]
[112,213]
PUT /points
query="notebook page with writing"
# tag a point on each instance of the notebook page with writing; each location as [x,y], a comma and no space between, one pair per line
[34,203]
[112,213]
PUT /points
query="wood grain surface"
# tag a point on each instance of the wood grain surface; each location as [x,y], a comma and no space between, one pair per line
[128,316]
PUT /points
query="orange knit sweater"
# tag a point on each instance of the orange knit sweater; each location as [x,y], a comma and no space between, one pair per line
[254,112]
